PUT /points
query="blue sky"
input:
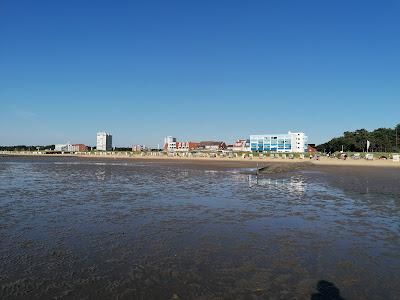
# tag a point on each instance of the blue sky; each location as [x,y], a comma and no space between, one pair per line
[197,70]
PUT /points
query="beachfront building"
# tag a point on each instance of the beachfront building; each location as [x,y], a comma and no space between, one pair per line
[169,139]
[170,143]
[70,148]
[311,148]
[138,148]
[241,146]
[63,147]
[211,145]
[79,148]
[186,146]
[104,141]
[289,142]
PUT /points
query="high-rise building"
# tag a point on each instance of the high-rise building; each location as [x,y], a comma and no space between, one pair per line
[104,141]
[289,142]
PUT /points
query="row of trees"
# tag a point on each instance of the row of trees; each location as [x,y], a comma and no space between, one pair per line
[381,140]
[26,148]
[51,147]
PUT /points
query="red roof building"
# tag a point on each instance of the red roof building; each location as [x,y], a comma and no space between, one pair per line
[186,146]
[311,148]
[212,145]
[79,147]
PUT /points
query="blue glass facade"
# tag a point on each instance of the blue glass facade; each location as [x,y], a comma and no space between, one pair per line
[290,142]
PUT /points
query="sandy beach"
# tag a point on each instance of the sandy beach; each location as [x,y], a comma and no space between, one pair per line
[226,162]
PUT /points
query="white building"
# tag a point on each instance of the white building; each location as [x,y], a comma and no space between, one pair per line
[241,146]
[289,142]
[104,141]
[139,148]
[63,147]
[170,143]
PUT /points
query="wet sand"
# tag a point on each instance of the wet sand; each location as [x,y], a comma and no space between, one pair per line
[178,229]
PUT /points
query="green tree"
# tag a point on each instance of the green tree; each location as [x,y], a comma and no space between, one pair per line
[381,139]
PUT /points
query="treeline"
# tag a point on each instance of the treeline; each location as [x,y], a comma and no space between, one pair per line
[122,148]
[51,147]
[381,140]
[26,148]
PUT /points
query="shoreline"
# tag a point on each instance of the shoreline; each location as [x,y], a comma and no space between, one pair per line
[224,162]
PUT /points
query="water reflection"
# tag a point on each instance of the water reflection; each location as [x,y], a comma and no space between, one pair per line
[101,173]
[295,184]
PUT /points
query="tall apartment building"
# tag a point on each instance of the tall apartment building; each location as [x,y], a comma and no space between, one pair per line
[104,141]
[290,142]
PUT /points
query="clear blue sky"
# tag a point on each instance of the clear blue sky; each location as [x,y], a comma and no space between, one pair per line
[196,69]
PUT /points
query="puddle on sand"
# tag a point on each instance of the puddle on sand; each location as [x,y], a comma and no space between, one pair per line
[142,231]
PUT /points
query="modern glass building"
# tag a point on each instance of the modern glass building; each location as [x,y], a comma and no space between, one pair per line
[289,142]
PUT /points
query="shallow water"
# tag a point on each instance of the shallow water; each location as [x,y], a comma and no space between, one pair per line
[85,228]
